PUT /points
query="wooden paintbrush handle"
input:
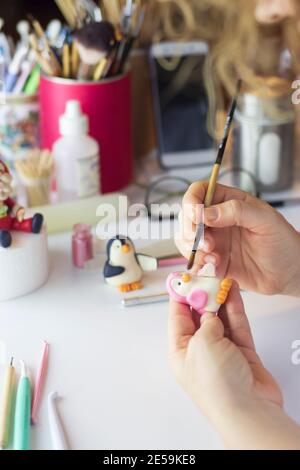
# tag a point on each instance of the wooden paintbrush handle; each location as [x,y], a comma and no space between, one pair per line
[212,185]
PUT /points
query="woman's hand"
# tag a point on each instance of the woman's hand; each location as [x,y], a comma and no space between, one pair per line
[247,239]
[219,368]
[217,363]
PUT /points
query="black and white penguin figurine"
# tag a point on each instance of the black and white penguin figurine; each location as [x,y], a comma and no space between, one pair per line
[124,267]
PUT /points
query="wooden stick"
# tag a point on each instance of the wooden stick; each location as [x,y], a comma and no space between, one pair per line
[100,69]
[45,65]
[67,12]
[41,34]
[66,60]
[74,60]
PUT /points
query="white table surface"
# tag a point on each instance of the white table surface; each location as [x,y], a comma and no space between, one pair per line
[109,364]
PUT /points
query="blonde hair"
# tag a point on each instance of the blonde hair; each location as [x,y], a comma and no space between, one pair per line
[239,46]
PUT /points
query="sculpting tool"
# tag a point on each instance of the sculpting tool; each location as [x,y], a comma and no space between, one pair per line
[41,375]
[145,299]
[22,413]
[6,406]
[59,441]
[214,175]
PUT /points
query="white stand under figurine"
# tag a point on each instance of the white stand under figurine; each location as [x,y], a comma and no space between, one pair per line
[24,266]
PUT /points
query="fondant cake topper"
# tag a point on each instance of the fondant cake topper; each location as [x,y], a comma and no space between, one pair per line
[124,267]
[12,216]
[203,292]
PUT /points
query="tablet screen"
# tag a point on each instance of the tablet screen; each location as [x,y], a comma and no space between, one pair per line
[181,107]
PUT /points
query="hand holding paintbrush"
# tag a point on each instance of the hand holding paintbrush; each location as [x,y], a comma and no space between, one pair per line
[214,176]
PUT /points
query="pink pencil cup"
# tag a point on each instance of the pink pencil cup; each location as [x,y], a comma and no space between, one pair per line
[108,106]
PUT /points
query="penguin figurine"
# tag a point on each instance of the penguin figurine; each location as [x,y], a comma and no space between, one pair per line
[124,267]
[203,292]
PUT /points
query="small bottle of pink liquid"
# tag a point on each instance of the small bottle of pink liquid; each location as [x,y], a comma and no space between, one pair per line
[82,245]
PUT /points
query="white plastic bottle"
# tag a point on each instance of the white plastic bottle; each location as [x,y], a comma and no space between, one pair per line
[76,156]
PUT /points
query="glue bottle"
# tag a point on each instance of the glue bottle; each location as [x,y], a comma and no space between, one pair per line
[76,156]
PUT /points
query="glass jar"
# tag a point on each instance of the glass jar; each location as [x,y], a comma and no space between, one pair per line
[264,140]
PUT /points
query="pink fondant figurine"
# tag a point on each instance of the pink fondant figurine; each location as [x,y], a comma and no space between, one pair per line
[203,292]
[12,216]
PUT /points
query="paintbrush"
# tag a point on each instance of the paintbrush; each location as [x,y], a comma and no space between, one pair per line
[214,175]
[68,10]
[45,64]
[42,36]
[74,60]
[129,42]
[66,60]
[94,42]
[112,10]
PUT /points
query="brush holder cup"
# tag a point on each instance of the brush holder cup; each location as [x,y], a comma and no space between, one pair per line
[108,106]
[264,140]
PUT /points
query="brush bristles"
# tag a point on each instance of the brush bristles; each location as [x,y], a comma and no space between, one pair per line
[191,260]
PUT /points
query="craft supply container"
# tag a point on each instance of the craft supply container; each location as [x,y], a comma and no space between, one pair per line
[264,140]
[19,126]
[108,106]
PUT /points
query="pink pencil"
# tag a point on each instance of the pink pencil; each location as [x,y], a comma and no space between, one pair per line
[40,379]
[171,261]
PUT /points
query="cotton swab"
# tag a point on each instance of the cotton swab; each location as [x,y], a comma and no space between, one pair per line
[40,380]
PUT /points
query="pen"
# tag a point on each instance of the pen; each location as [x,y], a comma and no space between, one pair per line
[14,68]
[26,69]
[22,412]
[33,81]
[214,175]
[6,406]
